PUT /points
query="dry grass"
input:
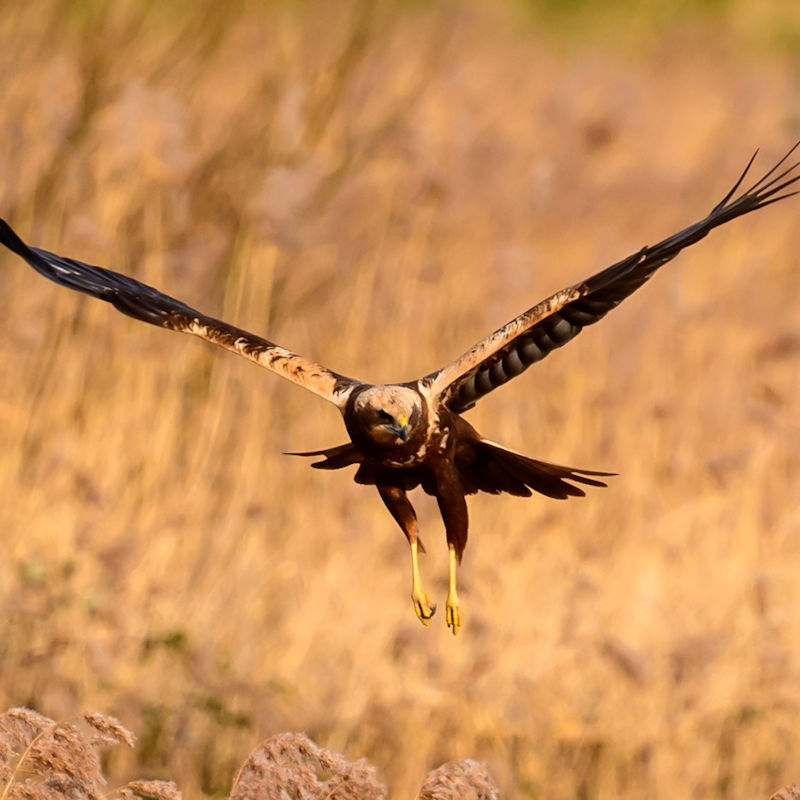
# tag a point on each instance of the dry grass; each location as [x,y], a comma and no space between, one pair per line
[465,780]
[45,760]
[41,759]
[378,187]
[290,764]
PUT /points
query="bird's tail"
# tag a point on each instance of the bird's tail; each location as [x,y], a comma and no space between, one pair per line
[334,457]
[493,468]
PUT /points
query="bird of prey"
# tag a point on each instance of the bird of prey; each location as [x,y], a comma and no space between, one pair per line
[412,434]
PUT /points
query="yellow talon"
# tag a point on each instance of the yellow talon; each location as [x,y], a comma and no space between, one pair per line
[423,607]
[453,607]
[453,614]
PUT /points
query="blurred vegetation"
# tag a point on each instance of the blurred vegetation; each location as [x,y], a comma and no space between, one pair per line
[378,185]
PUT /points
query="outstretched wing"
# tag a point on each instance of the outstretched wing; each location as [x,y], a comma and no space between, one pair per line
[552,323]
[149,305]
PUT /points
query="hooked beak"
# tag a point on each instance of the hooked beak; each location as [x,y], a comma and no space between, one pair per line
[401,431]
[401,428]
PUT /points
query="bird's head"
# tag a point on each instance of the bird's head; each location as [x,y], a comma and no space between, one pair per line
[389,415]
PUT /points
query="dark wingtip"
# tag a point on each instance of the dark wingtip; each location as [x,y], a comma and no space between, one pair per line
[763,192]
[762,184]
[722,203]
[9,238]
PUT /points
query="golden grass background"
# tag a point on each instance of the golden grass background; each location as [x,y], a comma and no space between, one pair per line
[378,186]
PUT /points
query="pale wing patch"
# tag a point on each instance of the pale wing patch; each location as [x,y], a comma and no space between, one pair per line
[529,338]
[275,358]
[442,383]
[143,302]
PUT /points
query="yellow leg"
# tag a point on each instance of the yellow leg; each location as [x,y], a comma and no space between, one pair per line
[422,604]
[453,607]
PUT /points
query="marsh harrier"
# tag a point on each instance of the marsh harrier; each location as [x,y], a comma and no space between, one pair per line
[412,434]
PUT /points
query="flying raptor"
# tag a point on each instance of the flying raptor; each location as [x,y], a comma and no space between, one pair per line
[412,434]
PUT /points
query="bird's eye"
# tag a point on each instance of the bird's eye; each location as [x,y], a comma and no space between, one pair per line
[385,416]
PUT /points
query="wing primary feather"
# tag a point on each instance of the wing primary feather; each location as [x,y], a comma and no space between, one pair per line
[763,189]
[147,304]
[530,337]
[780,197]
[777,166]
[738,183]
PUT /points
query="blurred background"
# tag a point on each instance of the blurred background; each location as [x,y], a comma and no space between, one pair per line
[377,185]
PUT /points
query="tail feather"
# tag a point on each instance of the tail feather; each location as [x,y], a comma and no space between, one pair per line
[335,457]
[488,467]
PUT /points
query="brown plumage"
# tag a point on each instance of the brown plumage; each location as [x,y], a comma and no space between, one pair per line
[407,435]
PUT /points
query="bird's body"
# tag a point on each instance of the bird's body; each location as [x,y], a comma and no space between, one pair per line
[409,435]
